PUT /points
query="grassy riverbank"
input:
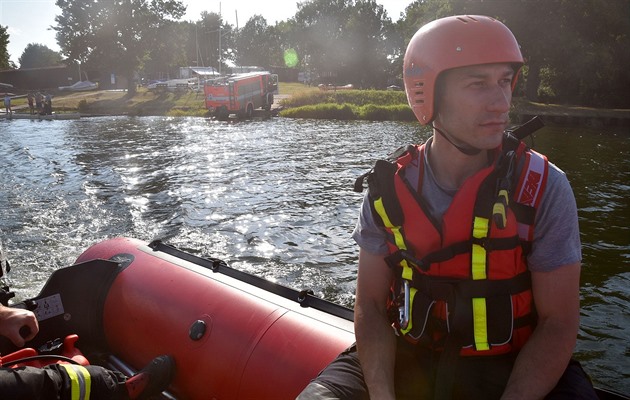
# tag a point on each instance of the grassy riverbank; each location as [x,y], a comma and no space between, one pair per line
[296,101]
[373,105]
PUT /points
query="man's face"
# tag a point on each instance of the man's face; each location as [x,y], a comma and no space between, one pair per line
[473,103]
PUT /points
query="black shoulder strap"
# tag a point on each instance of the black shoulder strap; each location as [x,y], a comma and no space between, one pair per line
[399,152]
[381,186]
[529,127]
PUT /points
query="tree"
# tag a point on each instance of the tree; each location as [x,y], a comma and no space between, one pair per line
[5,62]
[345,40]
[38,55]
[253,43]
[214,41]
[112,35]
[168,53]
[368,33]
[320,26]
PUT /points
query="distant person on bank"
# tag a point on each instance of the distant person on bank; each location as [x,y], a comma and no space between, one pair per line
[31,106]
[7,103]
[38,102]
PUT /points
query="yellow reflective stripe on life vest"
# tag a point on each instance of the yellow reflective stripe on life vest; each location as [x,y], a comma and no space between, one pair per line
[480,323]
[478,272]
[407,272]
[80,381]
[499,210]
[480,231]
[380,209]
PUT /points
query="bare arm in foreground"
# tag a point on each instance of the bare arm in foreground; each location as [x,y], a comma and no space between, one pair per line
[376,342]
[544,358]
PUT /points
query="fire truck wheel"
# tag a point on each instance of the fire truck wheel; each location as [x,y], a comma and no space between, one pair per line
[250,111]
[269,101]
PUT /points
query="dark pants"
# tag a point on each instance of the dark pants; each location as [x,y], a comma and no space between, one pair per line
[474,378]
[52,383]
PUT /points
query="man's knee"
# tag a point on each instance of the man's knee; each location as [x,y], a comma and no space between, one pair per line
[574,384]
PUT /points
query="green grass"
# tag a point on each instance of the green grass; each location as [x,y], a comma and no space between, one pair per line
[295,88]
[373,105]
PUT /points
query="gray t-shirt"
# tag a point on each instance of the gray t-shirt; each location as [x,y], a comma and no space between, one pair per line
[556,231]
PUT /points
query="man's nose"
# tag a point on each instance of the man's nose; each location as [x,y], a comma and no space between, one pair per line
[500,99]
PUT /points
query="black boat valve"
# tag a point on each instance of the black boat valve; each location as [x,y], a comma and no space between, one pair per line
[197,330]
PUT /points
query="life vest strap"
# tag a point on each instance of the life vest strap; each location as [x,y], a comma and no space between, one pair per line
[523,213]
[381,186]
[449,252]
[526,320]
[446,289]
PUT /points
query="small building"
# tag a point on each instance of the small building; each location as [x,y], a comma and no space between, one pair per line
[245,69]
[197,72]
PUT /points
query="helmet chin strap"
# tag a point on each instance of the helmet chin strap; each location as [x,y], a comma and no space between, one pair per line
[468,149]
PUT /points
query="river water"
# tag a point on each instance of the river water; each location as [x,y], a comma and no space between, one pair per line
[275,198]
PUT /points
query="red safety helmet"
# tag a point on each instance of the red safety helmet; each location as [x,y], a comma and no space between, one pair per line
[453,42]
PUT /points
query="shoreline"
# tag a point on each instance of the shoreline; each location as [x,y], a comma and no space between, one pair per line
[147,103]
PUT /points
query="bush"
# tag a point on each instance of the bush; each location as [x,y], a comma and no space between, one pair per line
[373,105]
[374,113]
[321,111]
[402,112]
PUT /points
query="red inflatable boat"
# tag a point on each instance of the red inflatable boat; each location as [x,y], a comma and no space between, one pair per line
[233,335]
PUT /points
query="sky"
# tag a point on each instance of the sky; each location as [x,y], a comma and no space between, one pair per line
[29,21]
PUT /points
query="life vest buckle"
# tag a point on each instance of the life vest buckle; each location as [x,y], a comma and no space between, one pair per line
[404,309]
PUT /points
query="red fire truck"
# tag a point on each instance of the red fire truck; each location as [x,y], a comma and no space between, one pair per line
[240,94]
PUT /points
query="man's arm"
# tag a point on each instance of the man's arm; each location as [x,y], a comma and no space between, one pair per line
[546,354]
[376,341]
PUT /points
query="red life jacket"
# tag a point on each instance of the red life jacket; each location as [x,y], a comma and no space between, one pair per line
[471,266]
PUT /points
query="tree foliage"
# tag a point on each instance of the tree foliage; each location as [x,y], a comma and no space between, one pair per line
[254,41]
[37,55]
[210,42]
[345,40]
[5,62]
[167,54]
[112,34]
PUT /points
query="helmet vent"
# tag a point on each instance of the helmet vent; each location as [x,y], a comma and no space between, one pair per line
[468,18]
[419,92]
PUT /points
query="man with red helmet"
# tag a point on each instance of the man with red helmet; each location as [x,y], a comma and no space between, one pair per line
[469,243]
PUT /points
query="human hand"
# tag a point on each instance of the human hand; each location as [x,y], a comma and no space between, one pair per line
[18,325]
